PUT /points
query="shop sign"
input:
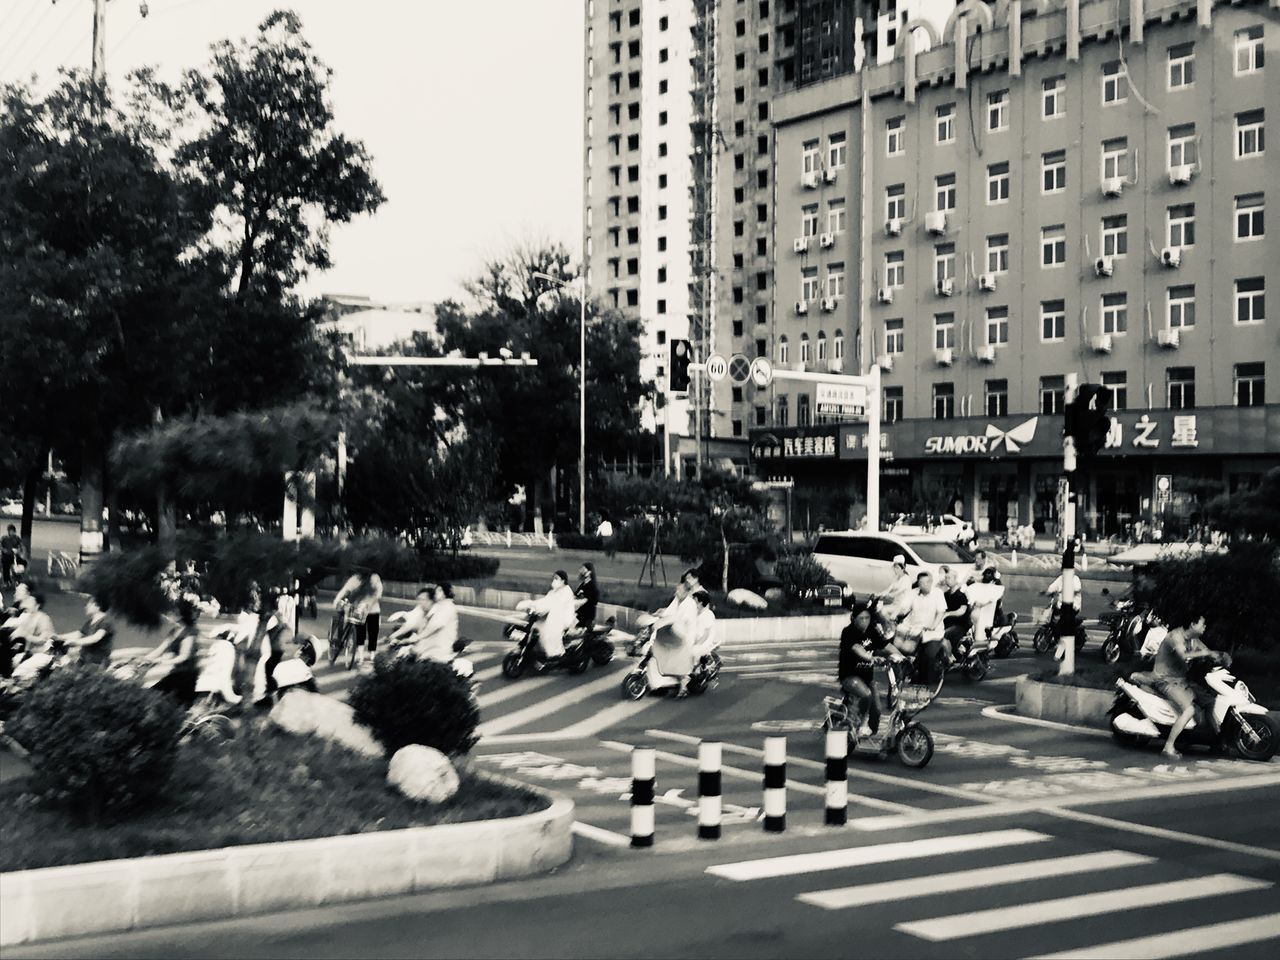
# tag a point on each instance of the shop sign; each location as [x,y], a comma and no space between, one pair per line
[855,440]
[805,447]
[989,441]
[840,399]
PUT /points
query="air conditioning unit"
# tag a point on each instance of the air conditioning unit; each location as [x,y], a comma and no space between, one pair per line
[1113,186]
[1101,343]
[935,221]
[1104,266]
[885,295]
[800,245]
[885,361]
[828,304]
[986,354]
[944,356]
[893,228]
[802,306]
[828,176]
[1167,338]
[1171,257]
[834,364]
[1182,173]
[946,287]
[809,181]
[987,281]
[827,240]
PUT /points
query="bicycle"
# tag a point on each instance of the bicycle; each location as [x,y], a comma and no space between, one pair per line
[342,639]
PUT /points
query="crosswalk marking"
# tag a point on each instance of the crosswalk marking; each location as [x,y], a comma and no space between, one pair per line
[881,853]
[1072,908]
[606,718]
[904,890]
[1180,943]
[575,694]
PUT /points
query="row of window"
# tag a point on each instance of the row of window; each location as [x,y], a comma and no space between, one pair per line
[818,353]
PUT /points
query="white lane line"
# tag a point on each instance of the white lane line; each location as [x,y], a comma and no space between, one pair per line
[607,717]
[1073,908]
[796,864]
[980,879]
[1000,712]
[513,688]
[576,694]
[600,835]
[1145,830]
[1180,943]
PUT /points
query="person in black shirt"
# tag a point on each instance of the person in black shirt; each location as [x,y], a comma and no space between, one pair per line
[96,637]
[587,595]
[956,621]
[858,643]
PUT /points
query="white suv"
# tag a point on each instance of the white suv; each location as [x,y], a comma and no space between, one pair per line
[863,561]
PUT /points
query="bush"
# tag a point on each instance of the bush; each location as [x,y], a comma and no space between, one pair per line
[445,566]
[99,746]
[579,541]
[128,583]
[801,574]
[406,700]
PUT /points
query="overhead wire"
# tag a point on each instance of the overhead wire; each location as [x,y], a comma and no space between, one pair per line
[33,59]
[36,5]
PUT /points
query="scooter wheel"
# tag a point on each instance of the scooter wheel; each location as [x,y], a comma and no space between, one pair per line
[1111,650]
[976,670]
[1255,737]
[915,746]
[602,654]
[579,667]
[1007,646]
[513,666]
[634,686]
[1043,641]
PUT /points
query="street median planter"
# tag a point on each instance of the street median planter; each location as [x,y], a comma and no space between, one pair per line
[1080,706]
[116,895]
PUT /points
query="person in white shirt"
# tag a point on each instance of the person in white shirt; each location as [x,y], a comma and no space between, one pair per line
[896,601]
[559,610]
[925,619]
[440,631]
[1055,590]
[414,620]
[704,626]
[983,597]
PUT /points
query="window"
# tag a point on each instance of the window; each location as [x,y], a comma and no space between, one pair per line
[662,244]
[997,326]
[1249,134]
[804,349]
[1182,225]
[998,183]
[1114,88]
[1249,56]
[835,216]
[1118,383]
[836,148]
[822,347]
[633,18]
[1250,384]
[1182,307]
[1053,172]
[944,262]
[662,274]
[1054,98]
[1115,158]
[804,417]
[996,398]
[809,284]
[1182,145]
[811,157]
[998,253]
[1249,219]
[944,401]
[662,22]
[1180,383]
[1053,246]
[1053,321]
[894,336]
[662,118]
[895,269]
[895,202]
[784,353]
[782,415]
[1182,66]
[998,110]
[762,416]
[895,136]
[1251,300]
[944,331]
[837,345]
[945,192]
[809,220]
[763,42]
[1115,313]
[1053,391]
[835,280]
[946,130]
[891,408]
[1115,235]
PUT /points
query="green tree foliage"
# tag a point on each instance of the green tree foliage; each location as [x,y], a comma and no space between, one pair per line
[406,700]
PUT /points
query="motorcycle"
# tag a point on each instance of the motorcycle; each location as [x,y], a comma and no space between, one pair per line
[647,677]
[1005,636]
[1230,720]
[1126,626]
[973,658]
[899,731]
[1046,635]
[582,647]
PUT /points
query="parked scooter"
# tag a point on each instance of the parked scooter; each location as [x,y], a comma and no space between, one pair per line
[648,677]
[1231,720]
[582,647]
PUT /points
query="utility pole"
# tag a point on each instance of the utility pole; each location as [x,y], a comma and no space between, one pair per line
[99,65]
[1067,624]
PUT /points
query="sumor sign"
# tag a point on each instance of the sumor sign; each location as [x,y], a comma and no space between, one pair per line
[989,442]
[837,398]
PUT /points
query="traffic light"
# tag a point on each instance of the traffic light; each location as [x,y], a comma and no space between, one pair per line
[678,369]
[1088,419]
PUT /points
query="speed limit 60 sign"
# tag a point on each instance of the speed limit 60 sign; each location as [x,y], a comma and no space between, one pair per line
[717,368]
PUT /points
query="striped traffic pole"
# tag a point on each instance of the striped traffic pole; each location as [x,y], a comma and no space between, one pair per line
[837,778]
[709,798]
[644,772]
[775,784]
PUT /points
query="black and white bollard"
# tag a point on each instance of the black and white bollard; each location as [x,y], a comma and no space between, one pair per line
[644,772]
[837,778]
[709,797]
[775,784]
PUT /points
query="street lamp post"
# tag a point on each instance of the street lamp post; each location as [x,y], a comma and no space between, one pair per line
[582,396]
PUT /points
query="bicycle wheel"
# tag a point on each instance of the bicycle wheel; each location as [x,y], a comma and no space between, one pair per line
[349,646]
[335,639]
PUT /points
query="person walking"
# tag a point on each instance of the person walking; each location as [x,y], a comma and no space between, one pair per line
[362,593]
[10,555]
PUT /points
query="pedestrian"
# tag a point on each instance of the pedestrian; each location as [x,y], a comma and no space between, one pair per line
[605,532]
[10,555]
[363,595]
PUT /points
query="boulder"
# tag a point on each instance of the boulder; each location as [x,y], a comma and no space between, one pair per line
[775,595]
[313,714]
[746,598]
[423,773]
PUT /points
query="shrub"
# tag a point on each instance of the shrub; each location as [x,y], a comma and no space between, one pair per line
[406,700]
[99,745]
[128,583]
[579,541]
[801,574]
[445,566]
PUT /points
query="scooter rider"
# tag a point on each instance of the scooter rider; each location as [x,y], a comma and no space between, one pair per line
[1182,643]
[957,620]
[858,641]
[559,612]
[1055,591]
[924,619]
[439,633]
[896,601]
[587,595]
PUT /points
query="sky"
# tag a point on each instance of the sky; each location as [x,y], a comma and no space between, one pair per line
[471,109]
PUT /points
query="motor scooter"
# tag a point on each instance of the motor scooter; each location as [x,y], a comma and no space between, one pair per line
[973,657]
[648,676]
[582,647]
[899,732]
[1005,634]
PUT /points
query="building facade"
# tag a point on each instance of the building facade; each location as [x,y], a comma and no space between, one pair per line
[1034,191]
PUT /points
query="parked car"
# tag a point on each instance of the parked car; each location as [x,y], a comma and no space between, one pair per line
[947,527]
[863,562]
[11,508]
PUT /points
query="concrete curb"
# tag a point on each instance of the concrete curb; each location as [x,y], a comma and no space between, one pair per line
[116,895]
[1081,706]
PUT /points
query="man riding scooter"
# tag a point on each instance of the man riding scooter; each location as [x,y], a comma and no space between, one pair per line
[1182,643]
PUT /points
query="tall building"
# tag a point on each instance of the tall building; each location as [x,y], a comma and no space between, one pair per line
[1038,190]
